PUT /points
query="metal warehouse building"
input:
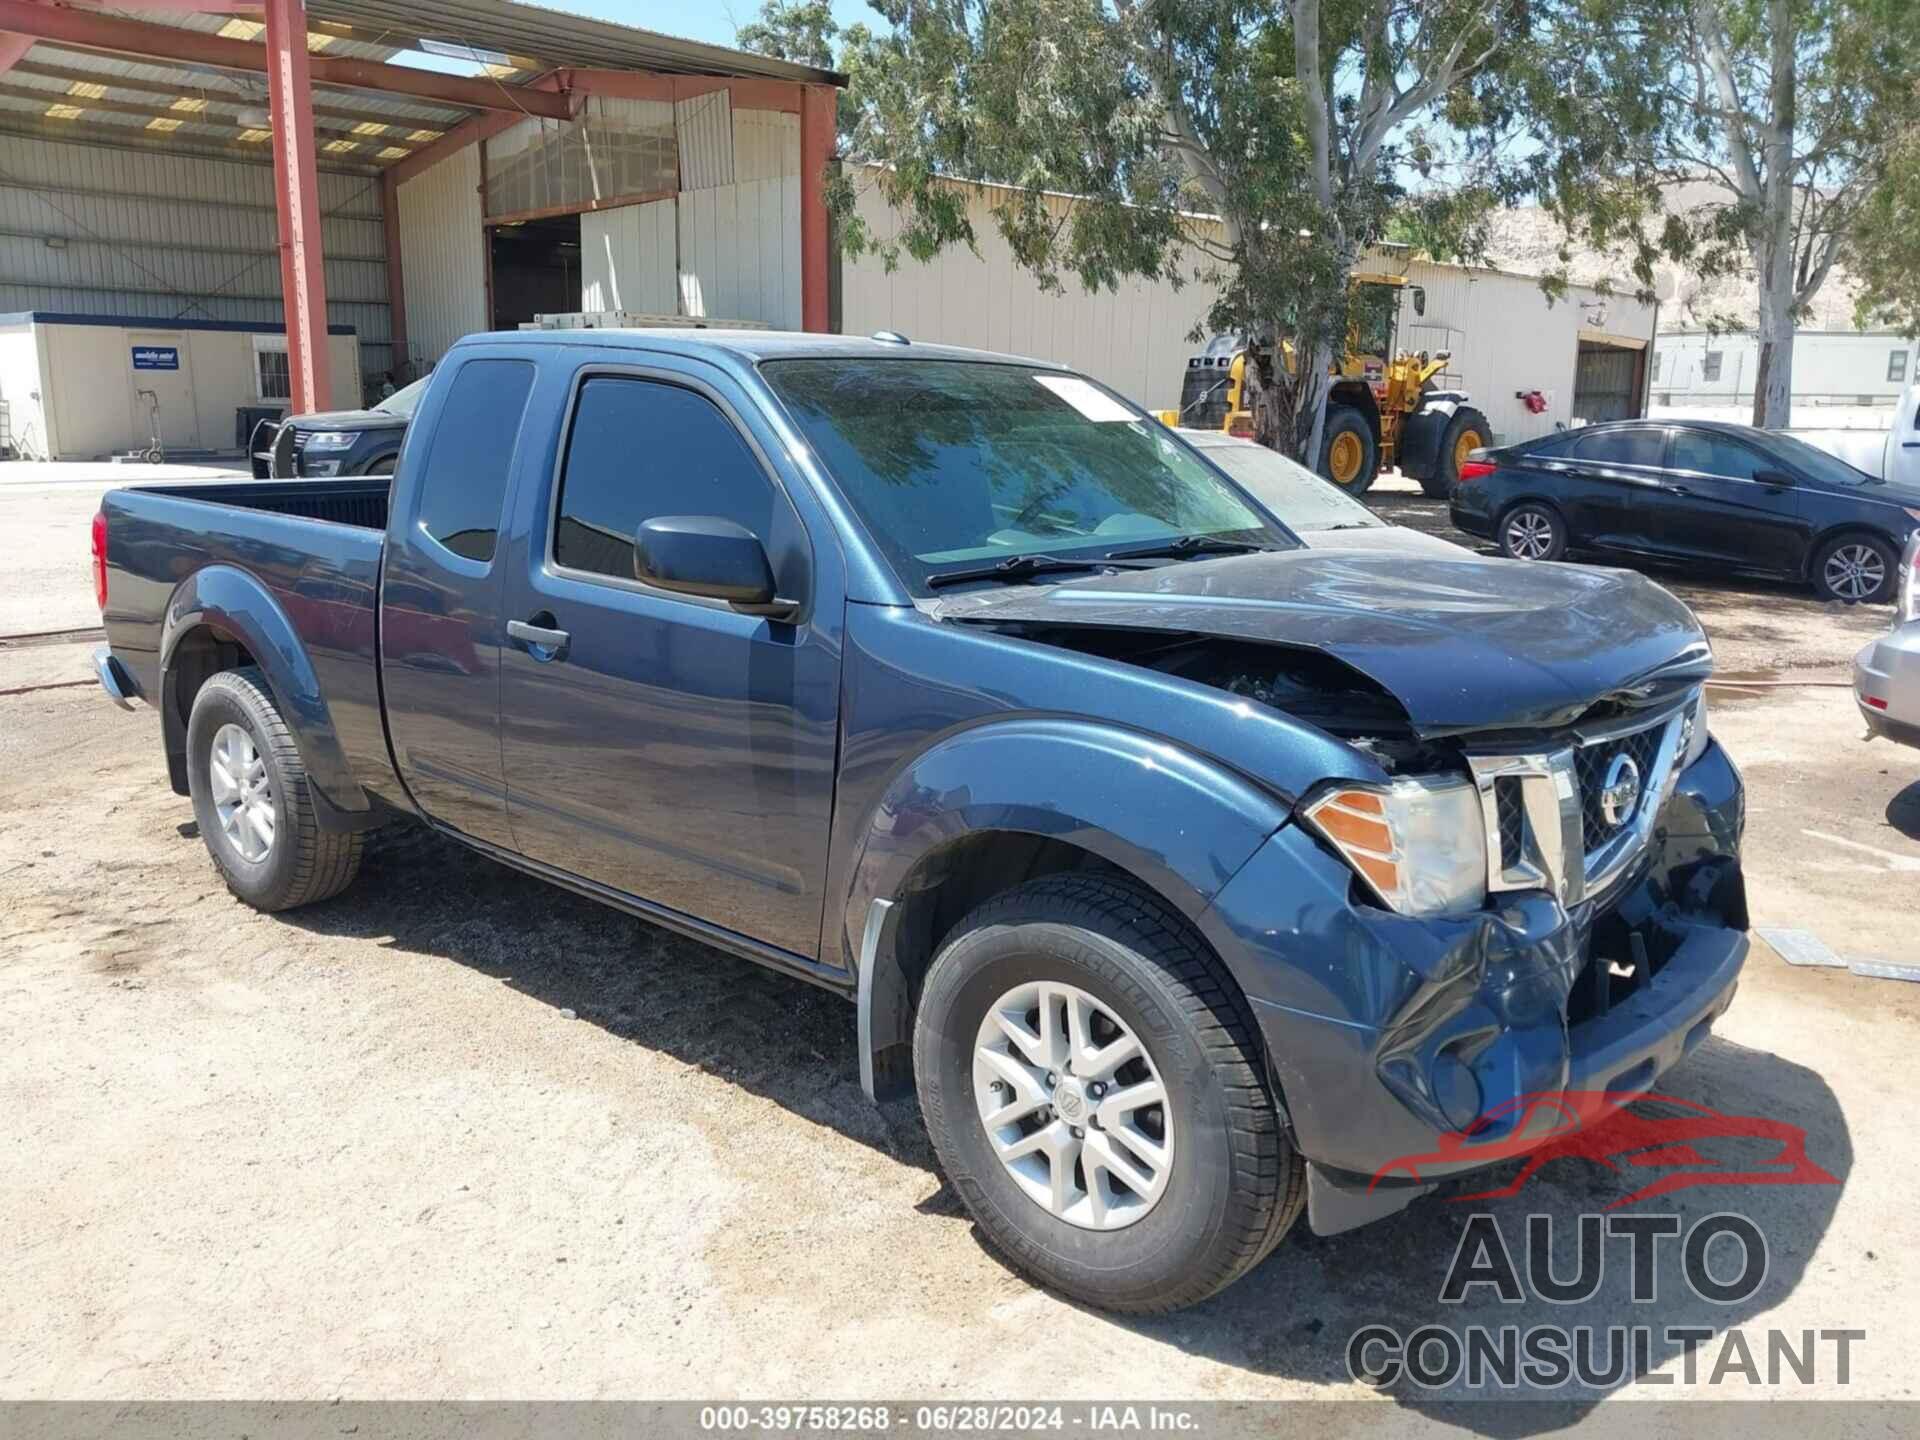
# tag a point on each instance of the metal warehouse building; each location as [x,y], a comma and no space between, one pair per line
[207,205]
[1583,357]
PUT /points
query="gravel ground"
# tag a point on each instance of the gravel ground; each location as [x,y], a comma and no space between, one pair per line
[458,1134]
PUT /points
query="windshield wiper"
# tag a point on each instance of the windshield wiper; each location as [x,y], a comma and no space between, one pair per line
[1355,525]
[1015,567]
[1193,545]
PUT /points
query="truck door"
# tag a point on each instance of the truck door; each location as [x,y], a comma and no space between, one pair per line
[667,747]
[440,622]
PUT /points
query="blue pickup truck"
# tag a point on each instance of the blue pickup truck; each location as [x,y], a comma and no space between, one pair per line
[1192,878]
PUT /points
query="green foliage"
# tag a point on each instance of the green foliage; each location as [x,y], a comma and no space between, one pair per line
[1884,250]
[1255,146]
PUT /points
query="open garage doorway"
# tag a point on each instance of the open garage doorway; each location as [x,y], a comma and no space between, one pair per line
[1608,382]
[535,268]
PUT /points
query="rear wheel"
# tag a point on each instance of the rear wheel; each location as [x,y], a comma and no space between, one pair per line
[253,801]
[1856,569]
[1097,1096]
[1466,432]
[1349,455]
[1531,531]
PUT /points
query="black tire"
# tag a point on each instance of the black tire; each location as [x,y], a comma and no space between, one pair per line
[1467,424]
[1529,514]
[1846,562]
[1345,421]
[1235,1183]
[385,465]
[304,862]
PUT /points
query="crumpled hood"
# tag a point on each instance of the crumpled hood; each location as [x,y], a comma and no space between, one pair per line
[1466,644]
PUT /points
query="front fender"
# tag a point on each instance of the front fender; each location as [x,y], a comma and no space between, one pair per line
[237,606]
[1178,823]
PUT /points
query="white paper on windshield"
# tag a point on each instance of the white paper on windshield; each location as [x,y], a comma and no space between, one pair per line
[1091,402]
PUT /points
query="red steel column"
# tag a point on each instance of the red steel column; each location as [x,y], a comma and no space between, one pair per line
[303,281]
[817,106]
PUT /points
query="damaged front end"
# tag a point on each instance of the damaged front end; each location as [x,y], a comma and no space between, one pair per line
[1600,936]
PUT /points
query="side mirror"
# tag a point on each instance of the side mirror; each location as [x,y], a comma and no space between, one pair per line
[1773,477]
[707,556]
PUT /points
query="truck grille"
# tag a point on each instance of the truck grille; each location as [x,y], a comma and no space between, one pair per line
[1594,763]
[1203,393]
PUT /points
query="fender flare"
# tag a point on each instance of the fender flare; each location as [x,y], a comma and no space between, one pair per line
[233,603]
[1177,822]
[1421,433]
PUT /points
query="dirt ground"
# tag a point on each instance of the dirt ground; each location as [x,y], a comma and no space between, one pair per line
[459,1134]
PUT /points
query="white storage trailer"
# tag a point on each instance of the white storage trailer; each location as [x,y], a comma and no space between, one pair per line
[85,387]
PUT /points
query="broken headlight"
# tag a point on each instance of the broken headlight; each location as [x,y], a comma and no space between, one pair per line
[1418,844]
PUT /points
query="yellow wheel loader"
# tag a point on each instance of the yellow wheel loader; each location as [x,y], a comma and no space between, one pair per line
[1381,411]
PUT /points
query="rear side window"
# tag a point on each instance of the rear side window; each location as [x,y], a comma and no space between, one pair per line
[465,484]
[1709,454]
[1621,447]
[640,449]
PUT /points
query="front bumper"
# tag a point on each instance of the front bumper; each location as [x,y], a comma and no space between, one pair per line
[1392,1037]
[1886,684]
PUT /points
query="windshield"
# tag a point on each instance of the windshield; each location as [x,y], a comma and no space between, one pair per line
[1299,497]
[952,464]
[404,401]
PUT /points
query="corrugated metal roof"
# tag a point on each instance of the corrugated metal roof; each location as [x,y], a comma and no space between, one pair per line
[559,38]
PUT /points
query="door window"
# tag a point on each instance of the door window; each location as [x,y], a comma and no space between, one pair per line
[464,485]
[1708,454]
[638,450]
[1620,447]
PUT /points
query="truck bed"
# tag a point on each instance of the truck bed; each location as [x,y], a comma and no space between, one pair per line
[361,502]
[314,545]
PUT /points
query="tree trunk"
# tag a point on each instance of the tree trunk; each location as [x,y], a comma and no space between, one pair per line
[1773,378]
[1310,408]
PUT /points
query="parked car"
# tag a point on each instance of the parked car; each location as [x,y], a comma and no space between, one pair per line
[1886,674]
[1320,512]
[1191,876]
[1751,501]
[1889,454]
[333,443]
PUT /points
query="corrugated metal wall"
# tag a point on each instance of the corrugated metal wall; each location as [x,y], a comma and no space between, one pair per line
[98,230]
[704,126]
[442,255]
[1135,339]
[627,259]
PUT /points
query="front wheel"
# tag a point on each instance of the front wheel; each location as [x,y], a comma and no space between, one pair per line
[1097,1096]
[1857,570]
[1532,532]
[253,802]
[1466,432]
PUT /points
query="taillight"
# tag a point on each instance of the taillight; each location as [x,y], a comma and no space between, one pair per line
[100,559]
[1475,469]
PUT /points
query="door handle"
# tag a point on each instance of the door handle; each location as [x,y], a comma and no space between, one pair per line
[1679,490]
[538,637]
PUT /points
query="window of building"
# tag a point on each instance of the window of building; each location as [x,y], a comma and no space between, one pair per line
[273,377]
[1710,365]
[640,449]
[464,485]
[1897,367]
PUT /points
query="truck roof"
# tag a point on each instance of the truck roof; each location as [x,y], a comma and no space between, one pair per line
[750,345]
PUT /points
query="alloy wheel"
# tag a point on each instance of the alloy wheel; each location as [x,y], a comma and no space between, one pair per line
[1855,572]
[242,792]
[1073,1105]
[1530,535]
